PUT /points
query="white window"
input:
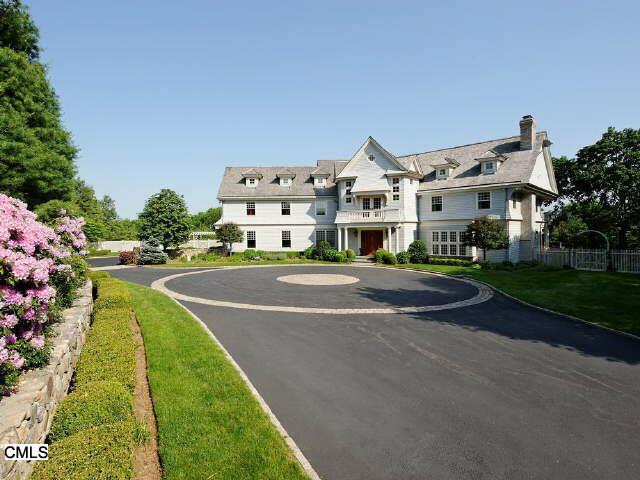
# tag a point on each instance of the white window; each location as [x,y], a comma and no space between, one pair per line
[435,236]
[489,167]
[285,182]
[444,236]
[444,249]
[452,237]
[396,197]
[436,204]
[320,181]
[251,208]
[435,249]
[448,243]
[252,182]
[348,184]
[285,208]
[442,173]
[484,200]
[321,207]
[453,249]
[326,236]
[372,158]
[251,239]
[348,199]
[395,181]
[396,188]
[377,203]
[366,204]
[286,238]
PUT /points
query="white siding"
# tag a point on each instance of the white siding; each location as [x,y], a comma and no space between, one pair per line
[540,175]
[461,205]
[268,212]
[269,237]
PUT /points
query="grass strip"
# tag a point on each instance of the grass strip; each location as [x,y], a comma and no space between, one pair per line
[209,424]
[608,299]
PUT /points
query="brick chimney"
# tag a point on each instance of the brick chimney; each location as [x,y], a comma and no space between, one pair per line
[527,132]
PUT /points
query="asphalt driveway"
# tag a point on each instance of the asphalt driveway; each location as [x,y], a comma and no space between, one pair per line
[494,390]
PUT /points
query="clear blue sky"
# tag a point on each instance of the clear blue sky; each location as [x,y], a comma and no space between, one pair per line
[166,94]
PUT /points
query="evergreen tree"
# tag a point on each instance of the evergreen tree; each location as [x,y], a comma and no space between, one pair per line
[165,217]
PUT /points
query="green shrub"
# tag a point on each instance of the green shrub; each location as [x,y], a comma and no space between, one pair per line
[403,257]
[351,255]
[418,252]
[66,292]
[207,257]
[97,453]
[321,247]
[341,257]
[460,262]
[108,352]
[310,252]
[330,255]
[250,254]
[100,253]
[389,258]
[151,253]
[111,293]
[91,405]
[380,255]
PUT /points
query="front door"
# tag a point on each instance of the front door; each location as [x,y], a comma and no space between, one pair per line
[370,241]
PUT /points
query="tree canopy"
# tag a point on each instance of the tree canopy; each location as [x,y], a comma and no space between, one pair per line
[228,234]
[601,186]
[17,30]
[204,221]
[487,234]
[165,217]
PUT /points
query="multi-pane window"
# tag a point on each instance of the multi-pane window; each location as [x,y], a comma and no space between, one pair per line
[348,185]
[321,207]
[488,167]
[366,204]
[251,182]
[251,207]
[285,208]
[395,181]
[484,200]
[251,239]
[286,238]
[326,236]
[436,204]
[320,181]
[396,197]
[377,203]
[396,188]
[450,242]
[372,158]
[285,182]
[348,199]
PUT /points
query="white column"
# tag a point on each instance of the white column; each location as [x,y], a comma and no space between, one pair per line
[389,239]
[339,239]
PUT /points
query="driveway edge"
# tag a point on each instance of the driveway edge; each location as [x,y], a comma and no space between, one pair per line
[302,460]
[537,307]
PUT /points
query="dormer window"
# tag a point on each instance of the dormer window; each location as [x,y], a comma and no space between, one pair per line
[444,168]
[489,167]
[252,182]
[320,181]
[285,182]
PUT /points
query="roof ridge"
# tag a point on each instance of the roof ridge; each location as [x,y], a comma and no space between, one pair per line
[465,145]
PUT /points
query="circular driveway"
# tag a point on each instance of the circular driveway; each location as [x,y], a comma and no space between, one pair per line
[325,289]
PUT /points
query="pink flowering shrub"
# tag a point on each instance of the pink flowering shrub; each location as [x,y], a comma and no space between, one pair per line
[40,268]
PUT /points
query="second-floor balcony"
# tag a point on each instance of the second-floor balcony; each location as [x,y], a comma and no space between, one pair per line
[368,216]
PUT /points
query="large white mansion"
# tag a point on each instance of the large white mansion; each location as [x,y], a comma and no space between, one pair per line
[377,199]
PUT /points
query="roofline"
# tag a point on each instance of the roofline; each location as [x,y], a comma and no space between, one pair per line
[270,197]
[465,145]
[527,185]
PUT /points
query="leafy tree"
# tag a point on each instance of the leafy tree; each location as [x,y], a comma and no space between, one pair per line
[122,229]
[605,178]
[165,217]
[50,211]
[487,234]
[36,153]
[17,30]
[108,208]
[228,234]
[204,221]
[567,230]
[418,252]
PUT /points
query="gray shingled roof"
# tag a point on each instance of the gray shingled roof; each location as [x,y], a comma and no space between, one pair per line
[516,167]
[233,185]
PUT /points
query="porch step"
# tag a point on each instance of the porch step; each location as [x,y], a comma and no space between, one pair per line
[364,259]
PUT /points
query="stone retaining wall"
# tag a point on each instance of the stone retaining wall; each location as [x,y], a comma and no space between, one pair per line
[25,417]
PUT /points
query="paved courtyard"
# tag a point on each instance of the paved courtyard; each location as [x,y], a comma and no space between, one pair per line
[448,383]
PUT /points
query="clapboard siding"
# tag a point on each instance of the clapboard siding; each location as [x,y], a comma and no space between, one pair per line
[268,212]
[461,205]
[269,238]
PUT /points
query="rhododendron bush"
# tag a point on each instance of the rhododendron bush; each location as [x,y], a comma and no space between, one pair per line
[40,270]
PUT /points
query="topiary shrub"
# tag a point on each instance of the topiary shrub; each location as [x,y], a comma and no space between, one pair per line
[250,254]
[418,252]
[94,404]
[99,452]
[151,253]
[351,255]
[403,257]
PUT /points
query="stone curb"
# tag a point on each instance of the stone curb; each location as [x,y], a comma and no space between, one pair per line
[25,416]
[302,460]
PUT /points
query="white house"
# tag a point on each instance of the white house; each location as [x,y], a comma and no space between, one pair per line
[377,199]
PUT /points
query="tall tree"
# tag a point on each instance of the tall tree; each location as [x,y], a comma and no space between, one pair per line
[17,30]
[203,221]
[607,174]
[166,218]
[108,207]
[487,234]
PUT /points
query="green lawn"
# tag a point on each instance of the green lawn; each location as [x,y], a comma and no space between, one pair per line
[209,424]
[609,299]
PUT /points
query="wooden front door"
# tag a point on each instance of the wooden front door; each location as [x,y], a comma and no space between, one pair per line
[370,241]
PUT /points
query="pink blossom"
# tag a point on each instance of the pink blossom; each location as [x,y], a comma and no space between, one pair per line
[27,334]
[10,296]
[10,339]
[37,342]
[8,321]
[4,355]
[16,360]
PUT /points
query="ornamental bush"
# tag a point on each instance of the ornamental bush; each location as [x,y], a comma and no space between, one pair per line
[418,252]
[330,255]
[351,255]
[403,257]
[40,269]
[151,253]
[383,256]
[251,254]
[310,252]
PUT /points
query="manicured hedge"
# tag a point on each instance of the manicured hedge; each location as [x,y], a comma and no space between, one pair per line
[92,431]
[93,404]
[104,452]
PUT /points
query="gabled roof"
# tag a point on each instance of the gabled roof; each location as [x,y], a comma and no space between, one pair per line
[517,168]
[251,172]
[322,171]
[371,140]
[285,173]
[363,185]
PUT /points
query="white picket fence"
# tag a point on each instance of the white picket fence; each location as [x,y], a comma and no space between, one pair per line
[626,261]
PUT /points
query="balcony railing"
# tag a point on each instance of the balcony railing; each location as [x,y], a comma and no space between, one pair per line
[363,216]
